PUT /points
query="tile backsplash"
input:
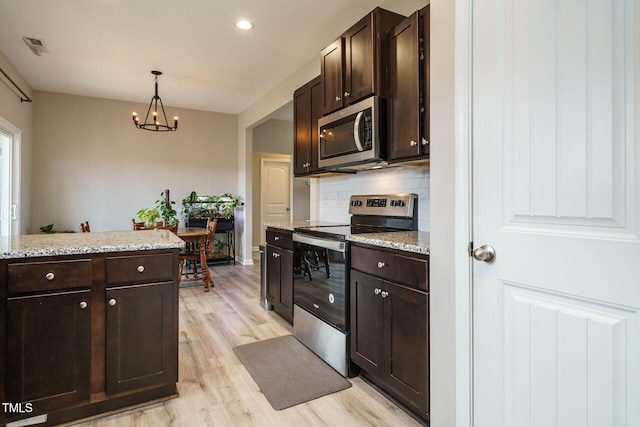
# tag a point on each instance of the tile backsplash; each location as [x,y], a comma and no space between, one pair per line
[333,192]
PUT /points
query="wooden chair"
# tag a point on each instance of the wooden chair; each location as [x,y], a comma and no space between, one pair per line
[138,225]
[172,228]
[199,254]
[84,227]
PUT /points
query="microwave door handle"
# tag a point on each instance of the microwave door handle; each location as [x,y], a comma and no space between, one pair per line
[356,128]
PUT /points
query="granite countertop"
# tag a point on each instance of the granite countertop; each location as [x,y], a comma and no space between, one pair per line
[410,241]
[34,245]
[291,225]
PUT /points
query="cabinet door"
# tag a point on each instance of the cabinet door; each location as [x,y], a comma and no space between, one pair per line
[406,315]
[367,323]
[302,128]
[404,85]
[359,60]
[49,349]
[273,276]
[316,112]
[331,60]
[425,56]
[285,297]
[141,334]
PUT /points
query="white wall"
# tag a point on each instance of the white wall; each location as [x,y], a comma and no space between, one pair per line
[91,163]
[334,192]
[20,115]
[448,398]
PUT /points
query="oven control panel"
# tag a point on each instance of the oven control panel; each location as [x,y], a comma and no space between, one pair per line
[387,205]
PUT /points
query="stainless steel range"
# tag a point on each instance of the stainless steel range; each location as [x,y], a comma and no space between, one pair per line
[321,272]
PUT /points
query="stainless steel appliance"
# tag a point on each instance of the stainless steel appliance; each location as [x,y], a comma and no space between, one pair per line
[321,273]
[354,137]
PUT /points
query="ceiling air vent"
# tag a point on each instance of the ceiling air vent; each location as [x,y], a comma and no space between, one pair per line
[37,46]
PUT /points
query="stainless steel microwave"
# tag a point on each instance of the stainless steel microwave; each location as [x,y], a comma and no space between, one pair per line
[353,137]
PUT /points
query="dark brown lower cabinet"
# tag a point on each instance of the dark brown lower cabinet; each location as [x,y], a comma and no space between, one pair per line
[280,281]
[49,349]
[139,335]
[89,334]
[389,338]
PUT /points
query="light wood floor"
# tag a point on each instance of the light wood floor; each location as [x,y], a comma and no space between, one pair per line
[214,387]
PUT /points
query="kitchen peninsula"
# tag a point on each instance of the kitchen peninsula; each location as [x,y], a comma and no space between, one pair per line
[88,323]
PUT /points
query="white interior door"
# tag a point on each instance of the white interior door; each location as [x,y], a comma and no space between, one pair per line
[556,178]
[274,192]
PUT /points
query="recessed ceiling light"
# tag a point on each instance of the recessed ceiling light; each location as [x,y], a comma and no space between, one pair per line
[244,25]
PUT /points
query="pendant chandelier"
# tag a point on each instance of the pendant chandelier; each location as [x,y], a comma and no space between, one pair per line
[155,125]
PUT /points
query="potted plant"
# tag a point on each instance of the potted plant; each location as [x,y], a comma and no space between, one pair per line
[218,249]
[226,205]
[166,210]
[149,216]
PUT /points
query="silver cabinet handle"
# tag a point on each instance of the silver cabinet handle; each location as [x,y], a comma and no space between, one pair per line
[276,255]
[112,302]
[140,268]
[276,238]
[83,304]
[377,291]
[49,276]
[337,98]
[485,253]
[384,294]
[347,94]
[413,143]
[381,264]
[425,141]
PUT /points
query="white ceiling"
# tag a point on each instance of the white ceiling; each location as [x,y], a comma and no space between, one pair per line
[107,48]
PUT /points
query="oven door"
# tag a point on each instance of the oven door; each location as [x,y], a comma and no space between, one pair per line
[320,278]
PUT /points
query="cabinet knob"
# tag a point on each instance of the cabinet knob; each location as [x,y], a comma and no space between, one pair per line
[140,268]
[83,304]
[425,141]
[377,291]
[276,238]
[112,302]
[384,294]
[413,143]
[347,94]
[49,276]
[337,98]
[381,264]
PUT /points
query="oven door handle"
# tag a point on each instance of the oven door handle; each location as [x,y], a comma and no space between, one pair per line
[333,245]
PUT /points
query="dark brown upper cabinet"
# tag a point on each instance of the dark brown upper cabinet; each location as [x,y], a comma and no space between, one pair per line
[354,66]
[408,106]
[307,109]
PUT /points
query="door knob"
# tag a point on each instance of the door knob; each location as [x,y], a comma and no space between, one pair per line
[485,253]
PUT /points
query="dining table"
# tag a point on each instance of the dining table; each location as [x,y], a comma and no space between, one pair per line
[196,237]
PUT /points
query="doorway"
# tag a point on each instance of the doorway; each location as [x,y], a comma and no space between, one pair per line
[275,190]
[9,178]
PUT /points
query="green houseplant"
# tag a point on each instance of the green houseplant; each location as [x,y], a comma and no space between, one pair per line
[218,206]
[227,204]
[163,210]
[166,210]
[149,216]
